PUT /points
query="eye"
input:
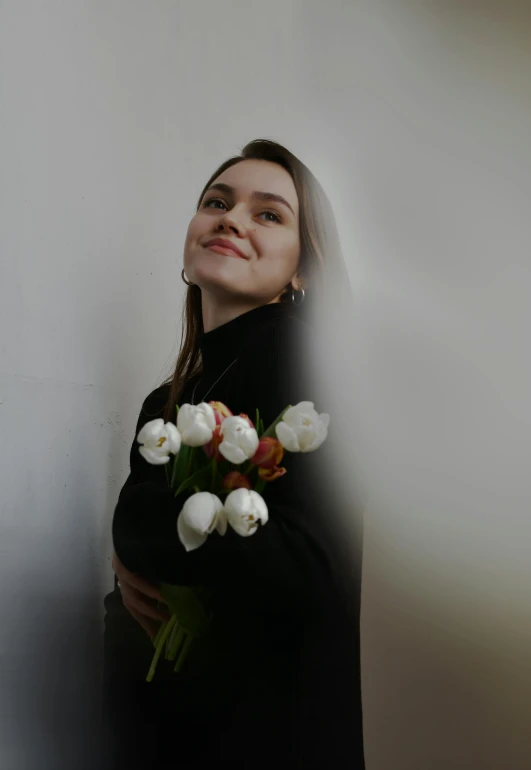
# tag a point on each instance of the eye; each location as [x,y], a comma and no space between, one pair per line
[207,204]
[276,217]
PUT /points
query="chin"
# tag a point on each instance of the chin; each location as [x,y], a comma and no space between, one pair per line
[225,273]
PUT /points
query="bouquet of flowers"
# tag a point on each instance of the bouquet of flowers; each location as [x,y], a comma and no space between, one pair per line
[204,453]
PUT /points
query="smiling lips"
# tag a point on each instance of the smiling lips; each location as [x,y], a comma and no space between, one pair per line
[222,246]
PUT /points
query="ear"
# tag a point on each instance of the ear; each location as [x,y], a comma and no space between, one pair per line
[297,282]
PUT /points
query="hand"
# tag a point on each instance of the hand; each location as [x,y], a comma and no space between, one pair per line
[138,597]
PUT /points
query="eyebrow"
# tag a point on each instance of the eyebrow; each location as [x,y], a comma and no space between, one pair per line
[256,195]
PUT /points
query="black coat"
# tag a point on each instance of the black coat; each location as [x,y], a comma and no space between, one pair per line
[278,679]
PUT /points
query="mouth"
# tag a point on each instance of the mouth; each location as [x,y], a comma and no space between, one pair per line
[222,246]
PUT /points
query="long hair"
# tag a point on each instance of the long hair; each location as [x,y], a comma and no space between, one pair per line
[320,262]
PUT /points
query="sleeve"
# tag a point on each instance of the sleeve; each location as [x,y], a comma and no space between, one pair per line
[127,648]
[286,560]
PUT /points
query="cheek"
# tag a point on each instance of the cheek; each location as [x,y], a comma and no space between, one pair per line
[196,231]
[284,252]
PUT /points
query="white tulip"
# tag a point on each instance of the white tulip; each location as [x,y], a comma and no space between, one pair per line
[245,510]
[201,514]
[302,429]
[158,440]
[196,424]
[239,440]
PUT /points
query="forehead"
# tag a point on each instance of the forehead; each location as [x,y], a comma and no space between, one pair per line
[249,176]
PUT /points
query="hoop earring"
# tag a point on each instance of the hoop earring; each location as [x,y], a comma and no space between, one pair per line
[188,283]
[303,293]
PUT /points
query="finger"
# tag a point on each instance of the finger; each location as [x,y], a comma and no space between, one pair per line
[132,599]
[133,586]
[149,626]
[137,582]
[141,585]
[146,611]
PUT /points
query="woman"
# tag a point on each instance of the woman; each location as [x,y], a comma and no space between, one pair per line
[277,679]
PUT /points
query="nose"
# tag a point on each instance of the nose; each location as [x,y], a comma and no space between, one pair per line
[230,222]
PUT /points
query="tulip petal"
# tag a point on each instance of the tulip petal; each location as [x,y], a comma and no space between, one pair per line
[232,453]
[247,419]
[269,453]
[152,457]
[189,537]
[242,526]
[174,438]
[271,474]
[235,480]
[246,509]
[221,411]
[240,439]
[287,437]
[260,507]
[302,429]
[150,431]
[222,522]
[303,407]
[200,511]
[196,424]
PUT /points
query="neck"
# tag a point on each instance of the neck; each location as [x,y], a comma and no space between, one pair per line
[217,312]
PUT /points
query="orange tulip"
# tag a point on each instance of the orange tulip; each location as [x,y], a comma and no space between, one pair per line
[220,411]
[245,417]
[236,480]
[212,448]
[269,453]
[271,474]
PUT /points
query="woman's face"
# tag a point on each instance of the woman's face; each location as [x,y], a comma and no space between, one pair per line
[253,207]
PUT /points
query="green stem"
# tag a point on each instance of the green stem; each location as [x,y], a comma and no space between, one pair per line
[160,632]
[160,647]
[249,468]
[170,640]
[175,645]
[174,471]
[190,458]
[260,486]
[184,652]
[168,475]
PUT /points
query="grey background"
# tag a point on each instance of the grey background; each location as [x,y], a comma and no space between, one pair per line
[416,118]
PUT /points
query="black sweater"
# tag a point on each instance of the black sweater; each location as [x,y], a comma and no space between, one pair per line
[277,679]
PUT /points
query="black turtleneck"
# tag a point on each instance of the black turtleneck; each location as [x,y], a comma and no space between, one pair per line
[284,647]
[225,342]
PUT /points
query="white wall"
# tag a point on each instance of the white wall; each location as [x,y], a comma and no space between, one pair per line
[416,118]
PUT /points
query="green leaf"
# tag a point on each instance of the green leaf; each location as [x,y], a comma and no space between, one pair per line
[188,607]
[198,479]
[260,485]
[271,430]
[180,464]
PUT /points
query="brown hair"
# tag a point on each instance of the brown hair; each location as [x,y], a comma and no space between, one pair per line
[319,250]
